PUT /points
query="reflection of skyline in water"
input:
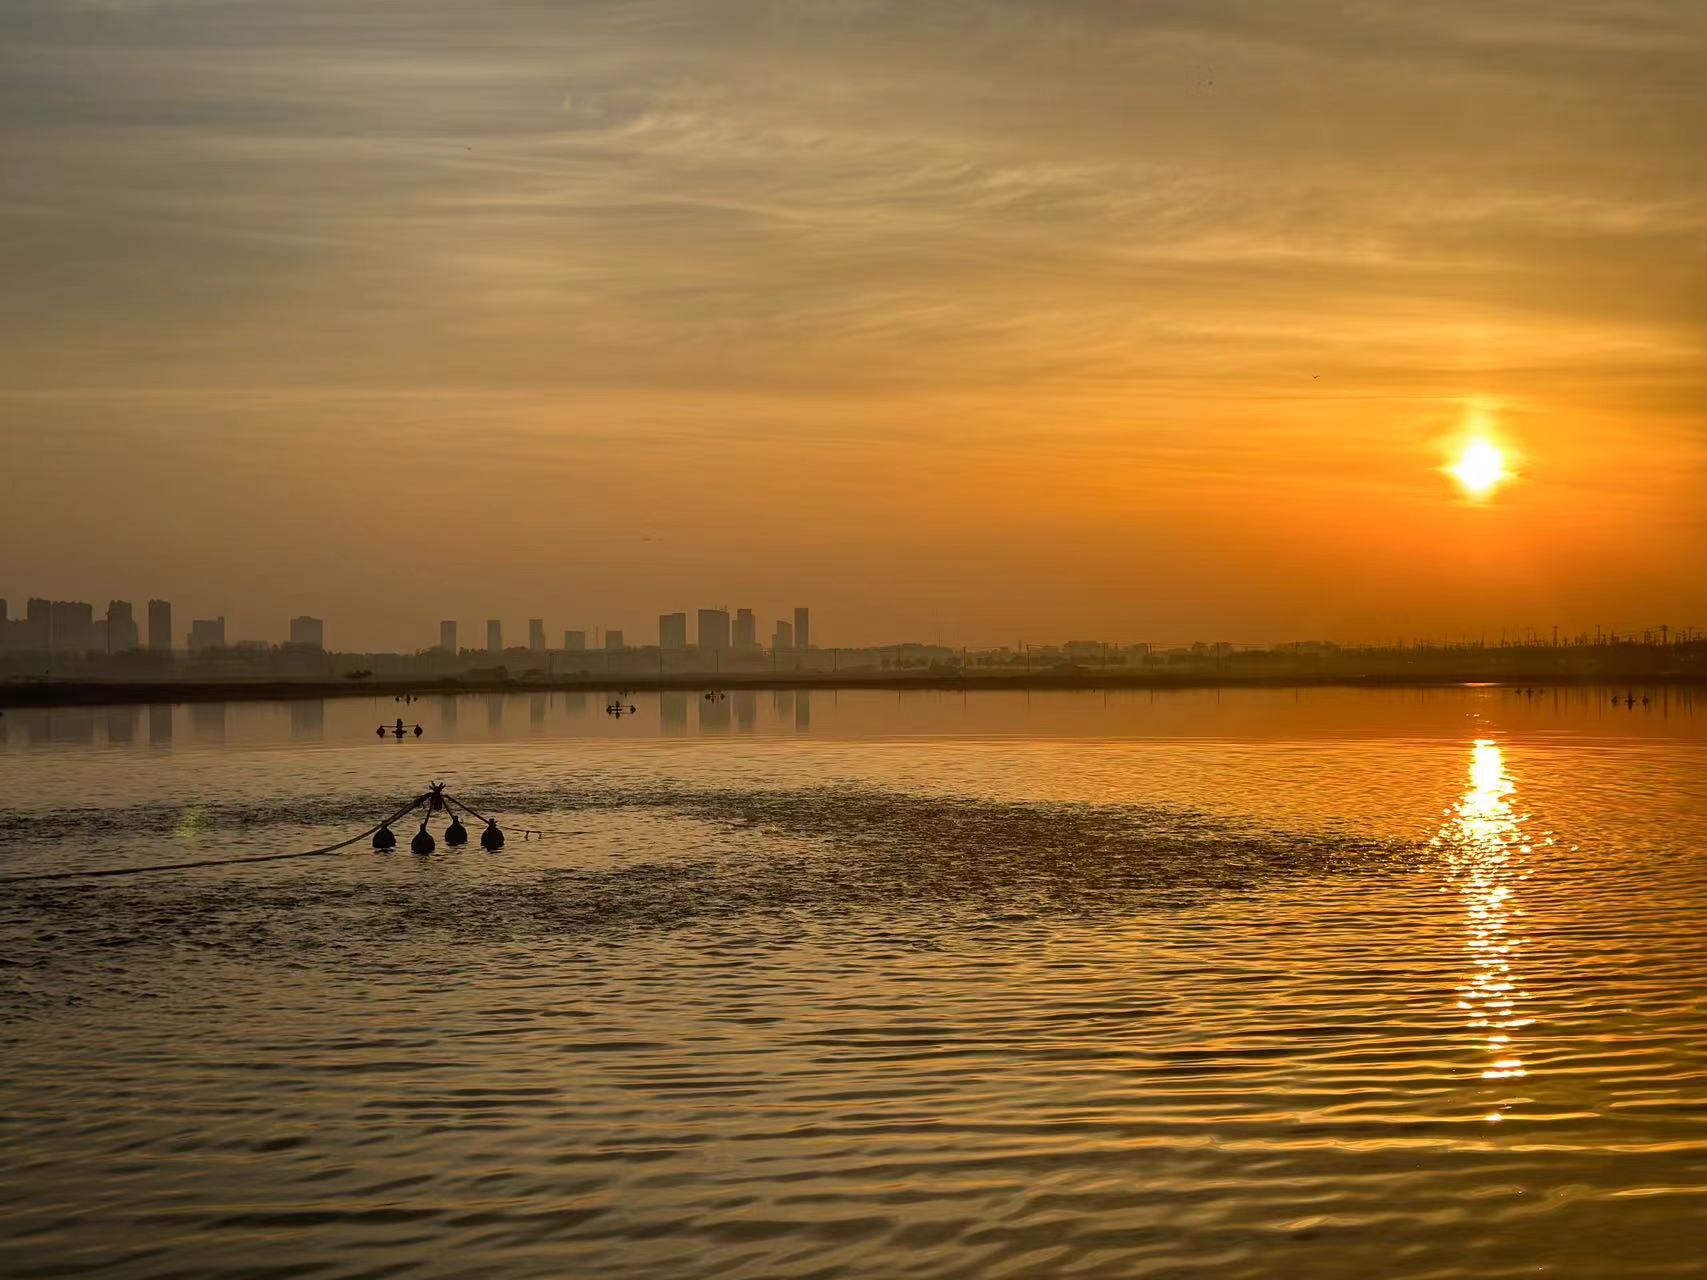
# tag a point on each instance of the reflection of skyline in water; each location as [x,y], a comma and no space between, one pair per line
[1487,855]
[1326,714]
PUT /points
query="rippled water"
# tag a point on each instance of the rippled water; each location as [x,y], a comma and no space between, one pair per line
[1256,984]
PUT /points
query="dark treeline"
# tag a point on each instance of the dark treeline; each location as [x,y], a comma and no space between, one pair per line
[899,667]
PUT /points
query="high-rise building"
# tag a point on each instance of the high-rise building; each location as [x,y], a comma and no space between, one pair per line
[536,634]
[713,630]
[308,631]
[160,625]
[746,635]
[494,636]
[38,625]
[802,629]
[575,641]
[613,640]
[672,630]
[783,636]
[71,626]
[207,633]
[122,632]
[447,635]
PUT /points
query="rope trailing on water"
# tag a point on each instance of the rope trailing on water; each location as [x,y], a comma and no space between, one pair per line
[104,872]
[526,833]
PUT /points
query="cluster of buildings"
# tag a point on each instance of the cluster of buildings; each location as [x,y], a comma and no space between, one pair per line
[70,628]
[715,632]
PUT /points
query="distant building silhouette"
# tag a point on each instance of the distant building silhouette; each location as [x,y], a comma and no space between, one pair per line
[575,641]
[122,632]
[447,635]
[672,631]
[536,634]
[160,625]
[713,630]
[206,633]
[746,633]
[783,636]
[38,625]
[613,640]
[71,627]
[308,631]
[494,636]
[802,629]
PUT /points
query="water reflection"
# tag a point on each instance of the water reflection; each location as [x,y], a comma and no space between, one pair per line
[672,714]
[308,719]
[1487,855]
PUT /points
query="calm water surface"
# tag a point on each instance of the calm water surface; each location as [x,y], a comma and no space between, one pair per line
[1254,984]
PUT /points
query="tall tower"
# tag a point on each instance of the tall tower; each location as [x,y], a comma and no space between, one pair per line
[536,634]
[713,629]
[672,630]
[746,630]
[160,625]
[494,636]
[447,635]
[121,626]
[802,629]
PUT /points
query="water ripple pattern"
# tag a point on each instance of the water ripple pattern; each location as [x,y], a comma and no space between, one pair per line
[1428,1004]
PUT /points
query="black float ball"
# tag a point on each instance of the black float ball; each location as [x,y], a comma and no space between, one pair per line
[492,839]
[456,833]
[385,839]
[423,841]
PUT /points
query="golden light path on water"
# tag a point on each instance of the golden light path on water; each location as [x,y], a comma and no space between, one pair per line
[1487,852]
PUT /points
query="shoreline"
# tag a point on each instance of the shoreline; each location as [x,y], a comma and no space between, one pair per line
[88,693]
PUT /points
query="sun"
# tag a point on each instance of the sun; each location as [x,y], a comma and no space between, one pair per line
[1480,468]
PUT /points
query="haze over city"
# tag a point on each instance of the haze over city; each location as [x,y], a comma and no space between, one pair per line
[969,322]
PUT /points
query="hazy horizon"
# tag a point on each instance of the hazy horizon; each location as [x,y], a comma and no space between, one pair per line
[976,322]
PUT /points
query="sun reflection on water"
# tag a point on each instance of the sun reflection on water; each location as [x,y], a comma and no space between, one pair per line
[1487,852]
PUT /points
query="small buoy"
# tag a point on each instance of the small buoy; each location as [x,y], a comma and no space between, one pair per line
[381,730]
[385,838]
[423,841]
[456,833]
[492,839]
[418,731]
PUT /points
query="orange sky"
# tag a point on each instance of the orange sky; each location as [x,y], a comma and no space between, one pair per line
[973,321]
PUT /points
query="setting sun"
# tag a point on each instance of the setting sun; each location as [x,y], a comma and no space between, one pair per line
[1480,468]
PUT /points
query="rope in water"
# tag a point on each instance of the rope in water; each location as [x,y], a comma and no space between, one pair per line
[104,872]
